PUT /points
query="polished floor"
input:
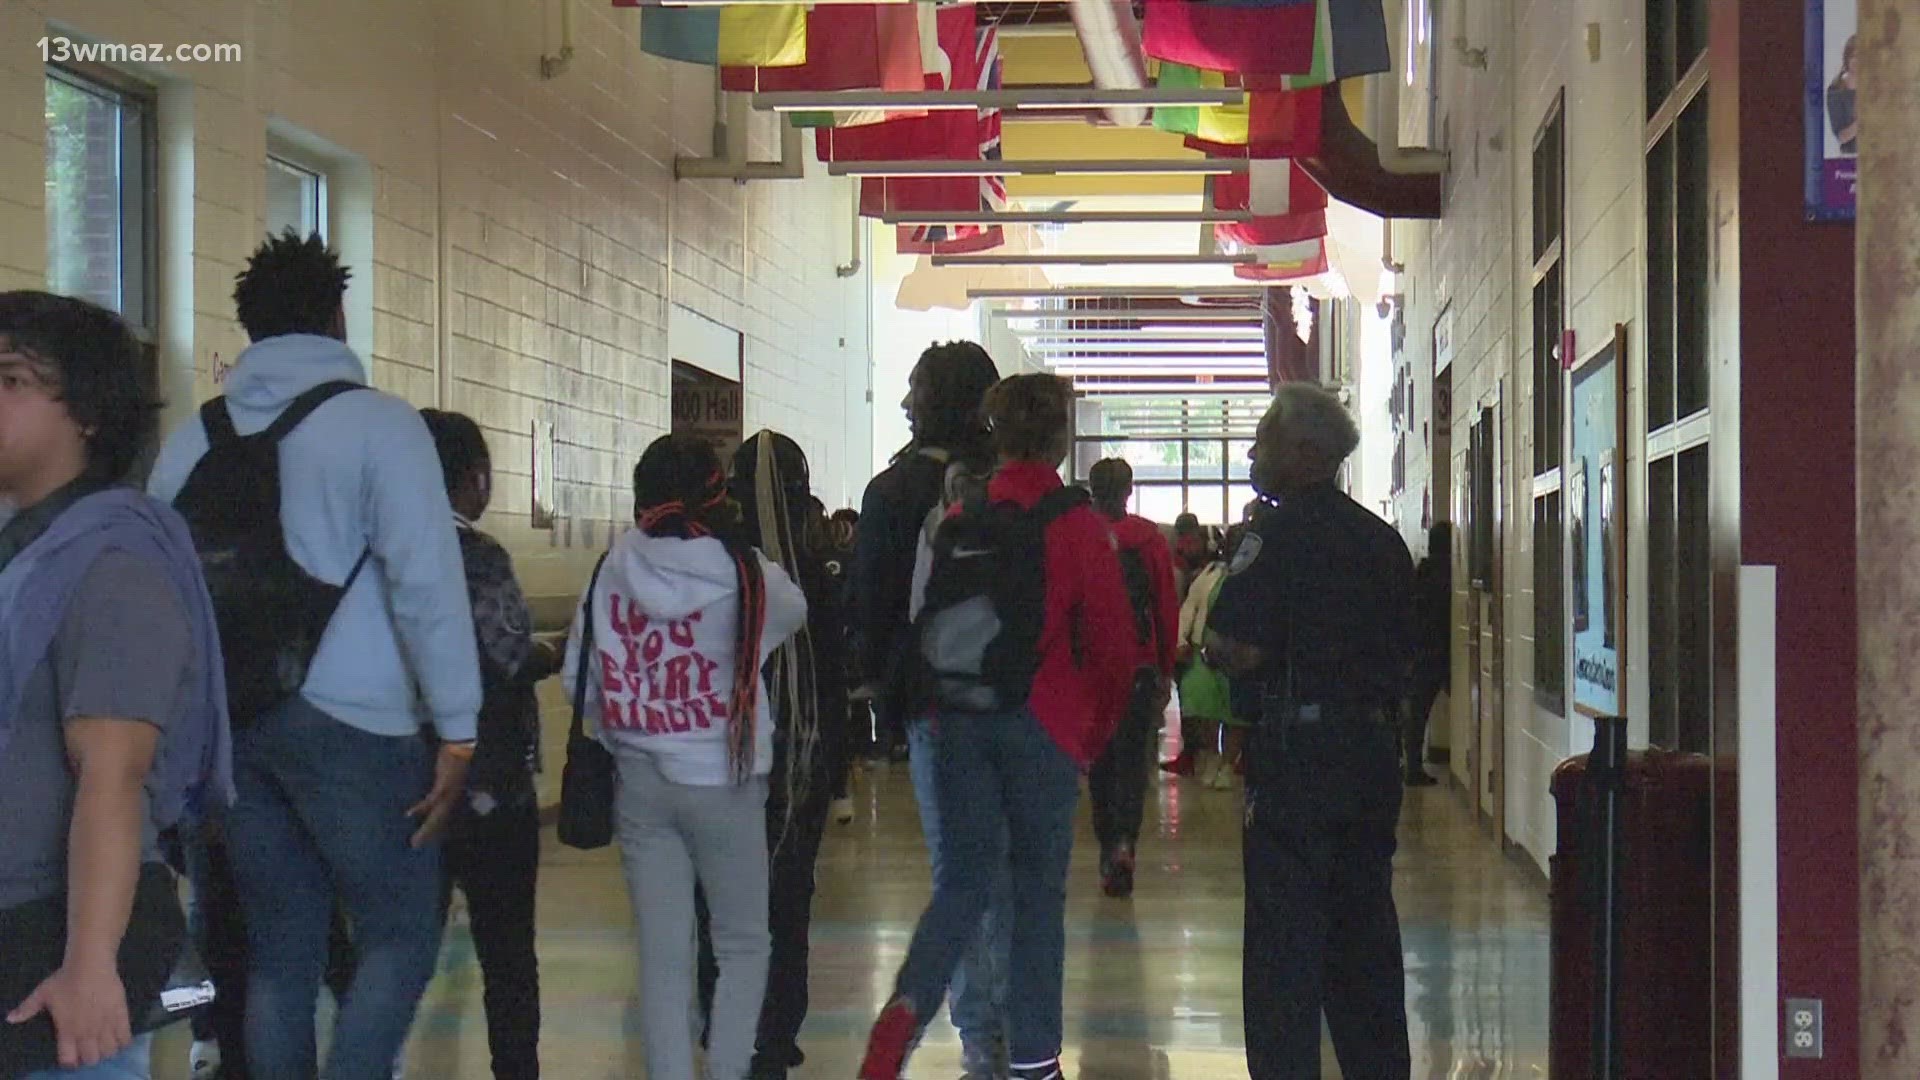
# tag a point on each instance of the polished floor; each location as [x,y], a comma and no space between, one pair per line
[1153,984]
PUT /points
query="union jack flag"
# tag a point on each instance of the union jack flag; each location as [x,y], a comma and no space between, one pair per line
[964,239]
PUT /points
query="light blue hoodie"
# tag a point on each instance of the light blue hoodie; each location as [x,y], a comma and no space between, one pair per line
[360,471]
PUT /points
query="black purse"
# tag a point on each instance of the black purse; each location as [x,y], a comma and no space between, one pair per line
[160,970]
[589,781]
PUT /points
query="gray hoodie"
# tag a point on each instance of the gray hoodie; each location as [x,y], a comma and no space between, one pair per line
[360,473]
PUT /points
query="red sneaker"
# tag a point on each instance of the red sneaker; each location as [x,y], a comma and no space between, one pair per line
[1179,766]
[894,1036]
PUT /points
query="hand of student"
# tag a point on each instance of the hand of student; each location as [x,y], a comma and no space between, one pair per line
[449,783]
[89,1011]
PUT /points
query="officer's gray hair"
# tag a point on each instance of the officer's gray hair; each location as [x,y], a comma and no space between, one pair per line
[1314,414]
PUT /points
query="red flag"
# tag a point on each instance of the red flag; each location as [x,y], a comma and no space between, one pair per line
[940,134]
[1277,229]
[1274,37]
[849,47]
[984,193]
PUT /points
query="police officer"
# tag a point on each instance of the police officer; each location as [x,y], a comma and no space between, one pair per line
[1316,612]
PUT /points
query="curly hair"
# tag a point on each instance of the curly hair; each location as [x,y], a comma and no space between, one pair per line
[93,363]
[291,286]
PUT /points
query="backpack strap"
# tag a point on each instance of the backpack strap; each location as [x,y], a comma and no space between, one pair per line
[299,408]
[1060,501]
[218,422]
[582,668]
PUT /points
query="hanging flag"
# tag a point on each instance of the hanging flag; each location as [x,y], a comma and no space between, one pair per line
[939,134]
[850,47]
[1349,40]
[930,195]
[987,193]
[763,35]
[1272,37]
[1269,123]
[1289,262]
[1270,186]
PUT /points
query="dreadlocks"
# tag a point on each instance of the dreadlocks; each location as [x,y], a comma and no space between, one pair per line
[771,487]
[677,487]
[291,286]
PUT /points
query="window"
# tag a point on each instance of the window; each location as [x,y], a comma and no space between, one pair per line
[1549,411]
[296,199]
[1679,554]
[1676,40]
[100,193]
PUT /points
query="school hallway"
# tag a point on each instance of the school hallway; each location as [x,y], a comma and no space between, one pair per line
[1153,984]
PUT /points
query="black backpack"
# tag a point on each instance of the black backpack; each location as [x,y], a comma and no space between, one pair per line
[976,643]
[270,612]
[1133,569]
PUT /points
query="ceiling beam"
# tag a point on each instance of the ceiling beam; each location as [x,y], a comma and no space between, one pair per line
[1043,167]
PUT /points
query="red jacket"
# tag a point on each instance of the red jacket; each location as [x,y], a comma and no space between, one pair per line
[1079,692]
[1137,534]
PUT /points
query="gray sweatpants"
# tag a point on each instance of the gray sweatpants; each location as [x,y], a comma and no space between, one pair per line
[670,836]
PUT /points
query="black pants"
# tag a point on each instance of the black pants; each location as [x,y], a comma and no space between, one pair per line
[495,861]
[220,933]
[790,881]
[1117,783]
[1322,933]
[1427,685]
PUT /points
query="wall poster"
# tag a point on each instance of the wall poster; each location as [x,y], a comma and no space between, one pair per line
[1832,118]
[1596,523]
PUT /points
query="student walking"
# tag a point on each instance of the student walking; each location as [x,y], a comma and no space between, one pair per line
[113,725]
[493,843]
[1016,719]
[322,523]
[681,625]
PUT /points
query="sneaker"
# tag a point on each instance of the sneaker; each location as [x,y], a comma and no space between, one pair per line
[1045,1070]
[1181,765]
[1116,873]
[203,1060]
[842,811]
[892,1040]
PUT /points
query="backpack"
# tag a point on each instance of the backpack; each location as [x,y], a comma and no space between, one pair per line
[976,643]
[270,612]
[1133,569]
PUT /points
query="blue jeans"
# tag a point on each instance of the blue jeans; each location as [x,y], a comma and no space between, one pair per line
[323,808]
[977,994]
[1006,795]
[129,1064]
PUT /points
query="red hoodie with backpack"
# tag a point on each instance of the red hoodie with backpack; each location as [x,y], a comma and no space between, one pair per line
[1088,650]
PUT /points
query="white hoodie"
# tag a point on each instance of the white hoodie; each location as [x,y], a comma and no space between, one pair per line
[664,618]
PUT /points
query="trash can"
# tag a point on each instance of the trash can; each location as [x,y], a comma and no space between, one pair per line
[1665,907]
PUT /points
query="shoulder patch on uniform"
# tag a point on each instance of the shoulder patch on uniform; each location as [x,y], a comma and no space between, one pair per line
[1244,555]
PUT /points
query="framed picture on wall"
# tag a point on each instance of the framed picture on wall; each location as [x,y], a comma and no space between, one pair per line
[1596,514]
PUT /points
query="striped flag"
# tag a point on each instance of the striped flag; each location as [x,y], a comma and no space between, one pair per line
[989,192]
[1349,40]
[1287,262]
[1269,123]
[933,135]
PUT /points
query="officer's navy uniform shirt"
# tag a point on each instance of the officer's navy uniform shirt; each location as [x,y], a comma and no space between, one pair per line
[1324,583]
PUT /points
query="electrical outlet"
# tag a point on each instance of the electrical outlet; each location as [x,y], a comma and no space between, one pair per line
[1804,1036]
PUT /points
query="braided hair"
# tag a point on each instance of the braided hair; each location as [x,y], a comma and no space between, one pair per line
[770,484]
[678,491]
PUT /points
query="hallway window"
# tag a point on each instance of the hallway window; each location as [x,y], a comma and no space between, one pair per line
[1678,382]
[100,194]
[296,198]
[1549,411]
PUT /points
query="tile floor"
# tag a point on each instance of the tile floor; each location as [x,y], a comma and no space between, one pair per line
[1153,984]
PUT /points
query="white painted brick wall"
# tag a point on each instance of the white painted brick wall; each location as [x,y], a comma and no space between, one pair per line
[565,235]
[1479,258]
[548,209]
